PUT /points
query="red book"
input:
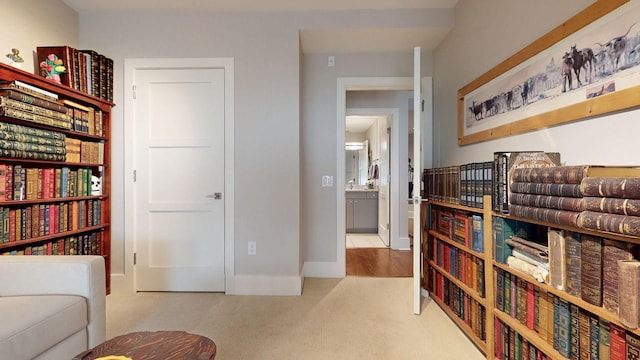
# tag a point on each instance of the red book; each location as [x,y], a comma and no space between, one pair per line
[531,304]
[617,342]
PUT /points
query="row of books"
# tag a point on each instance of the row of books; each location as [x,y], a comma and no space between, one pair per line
[510,345]
[460,264]
[86,70]
[84,152]
[85,119]
[471,312]
[18,182]
[573,331]
[39,220]
[583,265]
[461,184]
[460,226]
[84,244]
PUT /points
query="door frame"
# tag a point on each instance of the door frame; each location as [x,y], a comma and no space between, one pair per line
[355,84]
[125,283]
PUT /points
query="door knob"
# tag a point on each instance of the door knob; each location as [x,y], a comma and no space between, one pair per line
[216,196]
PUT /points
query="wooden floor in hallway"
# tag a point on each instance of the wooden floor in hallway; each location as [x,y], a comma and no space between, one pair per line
[379,262]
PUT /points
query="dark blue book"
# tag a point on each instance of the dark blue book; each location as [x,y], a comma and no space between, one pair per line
[561,326]
[477,233]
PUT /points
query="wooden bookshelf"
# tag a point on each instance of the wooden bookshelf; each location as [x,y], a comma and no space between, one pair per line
[486,301]
[98,138]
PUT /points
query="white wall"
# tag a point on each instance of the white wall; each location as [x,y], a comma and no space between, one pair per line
[486,33]
[279,155]
[27,24]
[319,134]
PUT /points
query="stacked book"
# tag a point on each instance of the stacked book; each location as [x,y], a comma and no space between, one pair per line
[611,200]
[505,163]
[529,257]
[551,194]
[17,141]
[22,101]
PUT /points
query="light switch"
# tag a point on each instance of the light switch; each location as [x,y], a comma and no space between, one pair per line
[327,181]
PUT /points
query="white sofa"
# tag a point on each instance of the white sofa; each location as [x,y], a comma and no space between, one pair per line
[52,307]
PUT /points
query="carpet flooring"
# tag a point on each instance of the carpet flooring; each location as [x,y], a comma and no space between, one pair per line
[350,318]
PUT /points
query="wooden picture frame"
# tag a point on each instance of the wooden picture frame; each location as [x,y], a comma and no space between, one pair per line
[487,107]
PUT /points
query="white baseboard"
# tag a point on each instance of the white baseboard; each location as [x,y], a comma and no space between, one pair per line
[323,269]
[265,285]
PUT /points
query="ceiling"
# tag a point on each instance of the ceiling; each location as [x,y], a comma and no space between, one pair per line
[313,40]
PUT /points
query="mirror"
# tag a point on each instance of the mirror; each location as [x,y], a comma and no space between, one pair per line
[357,163]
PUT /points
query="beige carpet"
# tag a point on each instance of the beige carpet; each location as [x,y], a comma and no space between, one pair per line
[351,318]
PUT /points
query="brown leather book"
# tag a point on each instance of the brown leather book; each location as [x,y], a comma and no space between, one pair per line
[547,201]
[616,187]
[612,251]
[591,269]
[573,263]
[567,190]
[628,293]
[621,224]
[612,205]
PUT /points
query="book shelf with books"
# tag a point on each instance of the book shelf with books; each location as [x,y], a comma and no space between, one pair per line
[457,240]
[566,286]
[54,168]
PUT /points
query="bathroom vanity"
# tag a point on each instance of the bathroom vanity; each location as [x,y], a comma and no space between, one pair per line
[362,211]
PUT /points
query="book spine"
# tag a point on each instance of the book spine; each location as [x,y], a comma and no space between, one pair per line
[565,190]
[621,224]
[605,340]
[575,333]
[629,207]
[573,263]
[31,155]
[618,342]
[594,340]
[629,293]
[560,217]
[612,251]
[561,326]
[633,346]
[557,258]
[24,138]
[614,187]
[547,201]
[46,149]
[591,269]
[550,174]
[585,334]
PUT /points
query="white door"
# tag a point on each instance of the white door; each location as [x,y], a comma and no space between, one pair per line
[179,164]
[417,161]
[384,134]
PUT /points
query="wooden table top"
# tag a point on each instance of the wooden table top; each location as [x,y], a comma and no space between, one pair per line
[156,345]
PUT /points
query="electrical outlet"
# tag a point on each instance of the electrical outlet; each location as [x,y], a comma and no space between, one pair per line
[251,248]
[331,61]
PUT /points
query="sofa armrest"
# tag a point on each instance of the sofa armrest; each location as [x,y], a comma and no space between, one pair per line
[82,275]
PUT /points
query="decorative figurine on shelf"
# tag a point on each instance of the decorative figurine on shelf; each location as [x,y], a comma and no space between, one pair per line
[16,59]
[96,185]
[52,67]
